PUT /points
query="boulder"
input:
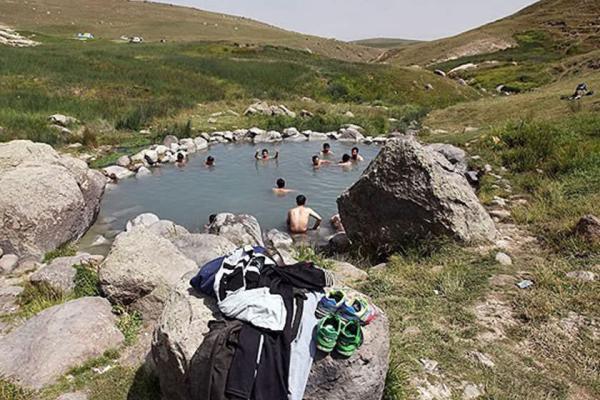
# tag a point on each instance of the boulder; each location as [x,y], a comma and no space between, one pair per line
[200,143]
[62,120]
[350,134]
[456,155]
[201,247]
[143,266]
[316,136]
[277,240]
[124,161]
[62,198]
[188,145]
[145,219]
[8,263]
[339,243]
[267,137]
[60,273]
[418,195]
[346,274]
[117,172]
[588,228]
[142,172]
[170,140]
[240,229]
[287,132]
[185,321]
[45,347]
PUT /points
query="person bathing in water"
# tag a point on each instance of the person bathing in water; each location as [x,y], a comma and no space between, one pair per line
[181,160]
[346,161]
[210,161]
[317,162]
[355,155]
[326,152]
[281,189]
[265,156]
[298,218]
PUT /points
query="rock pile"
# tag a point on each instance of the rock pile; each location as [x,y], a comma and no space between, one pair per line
[263,108]
[9,37]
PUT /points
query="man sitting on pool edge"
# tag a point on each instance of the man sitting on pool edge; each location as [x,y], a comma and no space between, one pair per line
[298,218]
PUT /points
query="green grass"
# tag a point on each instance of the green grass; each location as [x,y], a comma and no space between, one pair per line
[9,391]
[130,323]
[558,166]
[66,250]
[126,88]
[309,254]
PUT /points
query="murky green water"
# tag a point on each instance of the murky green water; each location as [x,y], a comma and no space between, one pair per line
[238,183]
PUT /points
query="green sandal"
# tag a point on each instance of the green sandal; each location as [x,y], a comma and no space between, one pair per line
[350,338]
[328,331]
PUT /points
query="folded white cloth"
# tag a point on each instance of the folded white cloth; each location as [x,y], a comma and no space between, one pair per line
[257,307]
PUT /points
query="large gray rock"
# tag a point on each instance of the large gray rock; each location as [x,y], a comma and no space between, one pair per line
[410,192]
[61,337]
[179,333]
[142,267]
[46,199]
[60,273]
[184,322]
[240,229]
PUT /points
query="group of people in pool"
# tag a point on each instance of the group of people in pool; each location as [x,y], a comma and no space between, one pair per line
[318,160]
[299,218]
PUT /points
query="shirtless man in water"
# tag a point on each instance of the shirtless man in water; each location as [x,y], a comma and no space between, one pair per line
[299,217]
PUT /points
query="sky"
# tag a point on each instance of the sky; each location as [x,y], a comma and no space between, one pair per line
[360,19]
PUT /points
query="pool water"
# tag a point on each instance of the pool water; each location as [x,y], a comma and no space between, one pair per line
[237,183]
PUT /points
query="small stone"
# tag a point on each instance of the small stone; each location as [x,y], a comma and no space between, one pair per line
[583,276]
[471,392]
[8,263]
[412,331]
[500,214]
[429,365]
[142,172]
[503,259]
[487,168]
[482,359]
[525,284]
[73,396]
[379,267]
[124,161]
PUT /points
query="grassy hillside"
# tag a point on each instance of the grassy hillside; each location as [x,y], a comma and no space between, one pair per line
[113,87]
[543,104]
[571,25]
[384,43]
[110,19]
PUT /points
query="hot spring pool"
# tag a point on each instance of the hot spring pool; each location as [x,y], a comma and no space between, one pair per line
[238,184]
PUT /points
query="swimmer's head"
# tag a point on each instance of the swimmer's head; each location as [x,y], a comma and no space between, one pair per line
[315,160]
[210,160]
[280,183]
[265,152]
[301,200]
[326,147]
[354,152]
[180,157]
[345,158]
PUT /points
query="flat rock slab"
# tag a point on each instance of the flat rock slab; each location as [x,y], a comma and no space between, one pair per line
[241,229]
[45,347]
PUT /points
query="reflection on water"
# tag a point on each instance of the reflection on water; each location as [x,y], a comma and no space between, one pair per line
[238,183]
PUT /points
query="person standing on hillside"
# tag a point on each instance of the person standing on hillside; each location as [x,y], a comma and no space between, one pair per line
[298,218]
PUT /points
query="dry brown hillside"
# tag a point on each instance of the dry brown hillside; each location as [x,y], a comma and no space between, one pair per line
[111,19]
[571,22]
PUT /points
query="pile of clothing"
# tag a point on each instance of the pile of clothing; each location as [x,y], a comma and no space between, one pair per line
[264,346]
